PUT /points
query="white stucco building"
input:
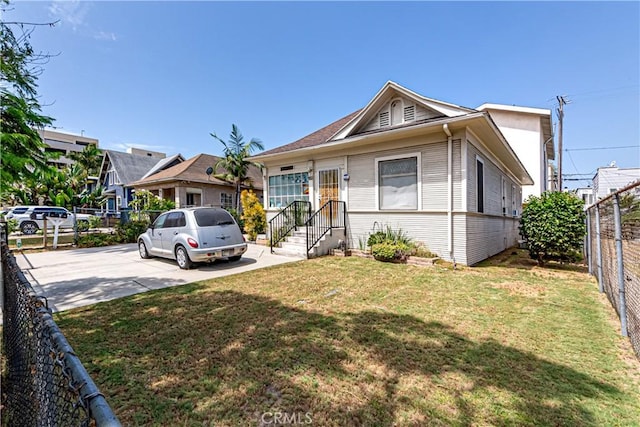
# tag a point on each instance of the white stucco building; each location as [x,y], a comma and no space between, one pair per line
[529,132]
[64,144]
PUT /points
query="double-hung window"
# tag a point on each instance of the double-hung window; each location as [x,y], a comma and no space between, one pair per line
[398,182]
[226,200]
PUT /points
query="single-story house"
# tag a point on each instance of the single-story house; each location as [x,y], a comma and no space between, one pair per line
[442,173]
[188,183]
[120,169]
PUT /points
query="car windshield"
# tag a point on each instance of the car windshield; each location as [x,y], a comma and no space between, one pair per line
[210,217]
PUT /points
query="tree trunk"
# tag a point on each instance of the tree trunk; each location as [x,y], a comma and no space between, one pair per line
[238,204]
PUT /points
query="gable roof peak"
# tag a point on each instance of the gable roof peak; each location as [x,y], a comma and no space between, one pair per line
[389,91]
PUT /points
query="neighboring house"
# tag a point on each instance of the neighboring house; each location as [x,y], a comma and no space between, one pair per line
[585,194]
[188,183]
[442,173]
[120,169]
[529,131]
[64,144]
[609,179]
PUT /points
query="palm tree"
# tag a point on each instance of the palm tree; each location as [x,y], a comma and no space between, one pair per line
[90,158]
[234,166]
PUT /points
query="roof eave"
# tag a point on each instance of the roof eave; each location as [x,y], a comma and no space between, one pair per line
[368,138]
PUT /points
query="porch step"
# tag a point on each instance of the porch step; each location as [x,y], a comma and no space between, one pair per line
[302,240]
[295,247]
[286,252]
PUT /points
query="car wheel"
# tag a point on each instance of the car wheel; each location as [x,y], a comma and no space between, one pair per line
[142,249]
[182,258]
[235,258]
[29,227]
[83,225]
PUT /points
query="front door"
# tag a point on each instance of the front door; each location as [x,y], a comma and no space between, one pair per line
[328,186]
[329,189]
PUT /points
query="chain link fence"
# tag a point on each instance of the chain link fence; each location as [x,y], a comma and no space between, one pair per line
[613,250]
[43,381]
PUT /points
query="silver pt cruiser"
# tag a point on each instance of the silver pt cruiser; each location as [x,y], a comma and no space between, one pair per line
[193,235]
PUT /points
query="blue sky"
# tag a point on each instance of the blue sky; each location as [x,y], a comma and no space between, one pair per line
[163,75]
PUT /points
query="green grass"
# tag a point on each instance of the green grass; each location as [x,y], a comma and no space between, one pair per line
[353,341]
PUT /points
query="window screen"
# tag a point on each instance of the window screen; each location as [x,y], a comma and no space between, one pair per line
[398,183]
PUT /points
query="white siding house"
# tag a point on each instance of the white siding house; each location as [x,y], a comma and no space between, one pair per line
[610,179]
[444,174]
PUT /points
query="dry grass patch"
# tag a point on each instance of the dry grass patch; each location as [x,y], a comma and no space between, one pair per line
[353,341]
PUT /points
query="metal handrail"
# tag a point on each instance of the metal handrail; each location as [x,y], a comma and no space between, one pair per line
[332,214]
[291,217]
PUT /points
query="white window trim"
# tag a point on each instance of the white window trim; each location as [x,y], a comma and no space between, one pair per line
[514,202]
[418,157]
[484,187]
[310,183]
[114,179]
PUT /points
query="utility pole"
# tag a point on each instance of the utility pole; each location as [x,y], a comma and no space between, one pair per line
[560,111]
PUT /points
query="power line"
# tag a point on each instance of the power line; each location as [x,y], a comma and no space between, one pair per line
[598,92]
[575,167]
[602,148]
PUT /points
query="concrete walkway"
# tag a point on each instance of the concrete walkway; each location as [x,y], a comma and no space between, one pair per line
[79,277]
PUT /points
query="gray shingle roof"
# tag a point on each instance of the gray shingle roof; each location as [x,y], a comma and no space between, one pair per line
[130,167]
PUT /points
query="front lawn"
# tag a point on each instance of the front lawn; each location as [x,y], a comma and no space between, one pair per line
[352,341]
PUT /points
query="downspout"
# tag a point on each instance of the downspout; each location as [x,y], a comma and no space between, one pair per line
[446,130]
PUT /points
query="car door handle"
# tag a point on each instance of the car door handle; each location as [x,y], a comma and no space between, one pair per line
[175,233]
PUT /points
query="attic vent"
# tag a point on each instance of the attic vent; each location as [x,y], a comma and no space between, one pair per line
[384,118]
[409,113]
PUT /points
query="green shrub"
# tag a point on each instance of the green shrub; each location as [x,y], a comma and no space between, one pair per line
[553,225]
[376,238]
[236,215]
[95,222]
[389,235]
[147,201]
[12,225]
[97,240]
[129,232]
[389,251]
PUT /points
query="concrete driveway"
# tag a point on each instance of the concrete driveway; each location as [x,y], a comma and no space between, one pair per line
[78,277]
